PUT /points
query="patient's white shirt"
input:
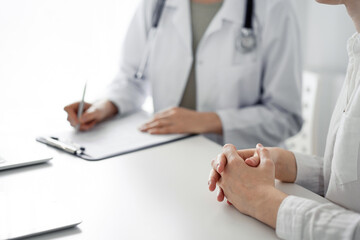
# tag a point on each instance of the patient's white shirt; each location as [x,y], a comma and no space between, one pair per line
[336,176]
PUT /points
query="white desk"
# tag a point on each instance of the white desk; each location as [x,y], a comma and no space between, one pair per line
[158,193]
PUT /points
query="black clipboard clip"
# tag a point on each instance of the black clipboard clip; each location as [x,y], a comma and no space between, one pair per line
[67,147]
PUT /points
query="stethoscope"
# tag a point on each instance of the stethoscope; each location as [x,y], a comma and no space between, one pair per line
[245,42]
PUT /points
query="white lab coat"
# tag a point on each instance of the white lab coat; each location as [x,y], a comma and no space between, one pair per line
[256,95]
[336,175]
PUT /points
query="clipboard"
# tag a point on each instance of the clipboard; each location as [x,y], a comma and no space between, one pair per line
[111,138]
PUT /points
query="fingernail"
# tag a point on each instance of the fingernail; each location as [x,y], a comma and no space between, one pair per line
[209,182]
[259,145]
[217,166]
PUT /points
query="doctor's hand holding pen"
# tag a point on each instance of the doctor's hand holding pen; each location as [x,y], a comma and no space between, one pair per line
[93,113]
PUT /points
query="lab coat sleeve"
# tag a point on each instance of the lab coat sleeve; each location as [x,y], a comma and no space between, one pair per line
[300,218]
[277,115]
[310,173]
[126,92]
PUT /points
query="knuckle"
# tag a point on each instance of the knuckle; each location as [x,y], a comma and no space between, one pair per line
[265,150]
[228,146]
[174,110]
[162,130]
[232,156]
[170,130]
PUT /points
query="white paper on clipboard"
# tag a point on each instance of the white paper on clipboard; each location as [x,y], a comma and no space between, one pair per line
[114,137]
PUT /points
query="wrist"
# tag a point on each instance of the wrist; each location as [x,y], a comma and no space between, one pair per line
[106,109]
[285,164]
[111,109]
[268,205]
[210,123]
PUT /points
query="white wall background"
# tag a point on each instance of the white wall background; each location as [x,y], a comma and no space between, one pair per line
[325,31]
[48,48]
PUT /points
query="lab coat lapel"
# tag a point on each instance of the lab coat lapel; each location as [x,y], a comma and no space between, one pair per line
[231,10]
[182,21]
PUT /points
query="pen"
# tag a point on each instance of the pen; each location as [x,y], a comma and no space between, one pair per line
[81,108]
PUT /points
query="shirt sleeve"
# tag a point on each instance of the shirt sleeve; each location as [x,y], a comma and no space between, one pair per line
[300,218]
[125,91]
[277,116]
[310,173]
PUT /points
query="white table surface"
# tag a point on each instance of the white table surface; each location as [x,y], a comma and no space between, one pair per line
[158,193]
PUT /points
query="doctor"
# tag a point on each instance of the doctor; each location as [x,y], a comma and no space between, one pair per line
[228,69]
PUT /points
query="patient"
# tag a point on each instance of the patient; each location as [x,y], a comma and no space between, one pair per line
[247,177]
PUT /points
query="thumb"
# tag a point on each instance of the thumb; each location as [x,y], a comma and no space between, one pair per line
[87,117]
[263,153]
[253,161]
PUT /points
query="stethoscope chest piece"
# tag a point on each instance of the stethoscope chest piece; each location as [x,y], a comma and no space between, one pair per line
[246,42]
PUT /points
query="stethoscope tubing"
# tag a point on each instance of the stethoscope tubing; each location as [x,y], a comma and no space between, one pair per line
[151,36]
[247,27]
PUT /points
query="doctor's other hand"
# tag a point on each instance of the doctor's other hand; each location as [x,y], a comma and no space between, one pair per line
[93,113]
[182,120]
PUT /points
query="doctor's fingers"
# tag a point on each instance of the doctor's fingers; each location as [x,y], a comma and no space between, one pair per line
[90,116]
[155,124]
[71,110]
[164,114]
[87,126]
[162,130]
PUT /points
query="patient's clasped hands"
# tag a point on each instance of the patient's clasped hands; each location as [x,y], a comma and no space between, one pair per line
[247,179]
